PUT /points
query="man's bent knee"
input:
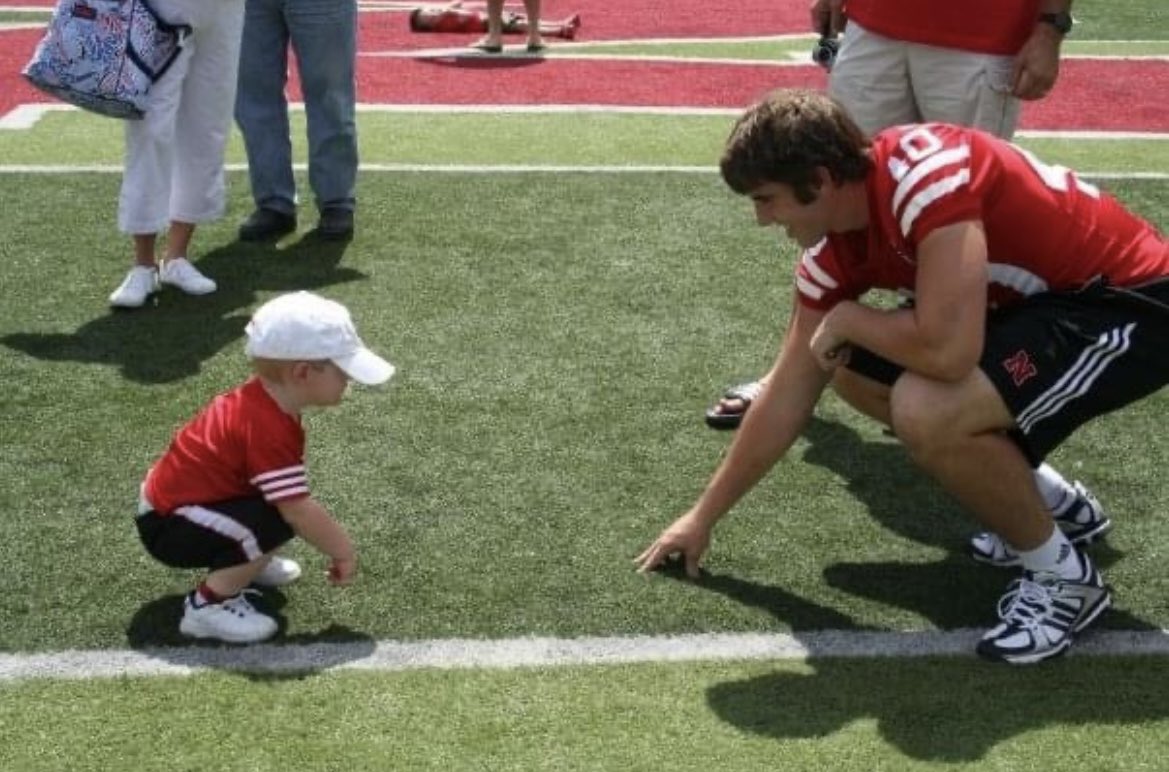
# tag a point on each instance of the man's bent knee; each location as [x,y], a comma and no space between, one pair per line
[928,415]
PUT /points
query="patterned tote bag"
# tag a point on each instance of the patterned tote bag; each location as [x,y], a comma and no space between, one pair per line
[104,55]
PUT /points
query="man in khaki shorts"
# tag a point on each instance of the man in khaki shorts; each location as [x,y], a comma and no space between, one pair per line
[911,61]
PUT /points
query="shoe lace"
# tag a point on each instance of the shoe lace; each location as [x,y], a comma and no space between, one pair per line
[240,605]
[1027,602]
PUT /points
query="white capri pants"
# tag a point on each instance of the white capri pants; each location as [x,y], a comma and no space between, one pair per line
[885,82]
[174,156]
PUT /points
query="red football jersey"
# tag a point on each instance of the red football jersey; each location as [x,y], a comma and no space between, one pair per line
[242,444]
[988,27]
[1046,229]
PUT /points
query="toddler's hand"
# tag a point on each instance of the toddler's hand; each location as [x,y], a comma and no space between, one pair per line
[341,571]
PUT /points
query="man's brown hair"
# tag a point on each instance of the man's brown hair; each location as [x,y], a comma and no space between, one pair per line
[786,136]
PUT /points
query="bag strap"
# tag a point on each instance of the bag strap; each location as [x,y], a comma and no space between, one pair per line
[180,31]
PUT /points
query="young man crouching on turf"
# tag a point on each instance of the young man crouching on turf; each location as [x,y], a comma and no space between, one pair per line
[232,489]
[1038,303]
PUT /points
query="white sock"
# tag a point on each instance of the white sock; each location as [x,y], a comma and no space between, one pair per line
[1057,493]
[1054,556]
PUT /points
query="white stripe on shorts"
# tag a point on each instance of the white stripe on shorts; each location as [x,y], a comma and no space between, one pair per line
[1092,363]
[224,526]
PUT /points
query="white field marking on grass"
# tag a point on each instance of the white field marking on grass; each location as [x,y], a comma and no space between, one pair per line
[493,169]
[26,116]
[390,656]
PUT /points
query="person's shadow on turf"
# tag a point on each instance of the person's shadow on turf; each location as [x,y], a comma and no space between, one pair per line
[166,344]
[951,593]
[897,495]
[941,709]
[154,630]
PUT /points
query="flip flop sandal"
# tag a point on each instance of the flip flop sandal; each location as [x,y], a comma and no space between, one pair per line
[487,49]
[745,393]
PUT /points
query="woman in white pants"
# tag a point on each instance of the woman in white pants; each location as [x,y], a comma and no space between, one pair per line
[173,175]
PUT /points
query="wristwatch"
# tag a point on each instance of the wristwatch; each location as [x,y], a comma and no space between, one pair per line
[1062,21]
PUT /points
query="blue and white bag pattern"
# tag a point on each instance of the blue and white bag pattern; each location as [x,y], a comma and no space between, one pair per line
[104,55]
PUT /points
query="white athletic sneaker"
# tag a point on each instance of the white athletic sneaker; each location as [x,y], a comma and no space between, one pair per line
[279,572]
[1083,522]
[140,283]
[178,272]
[1041,613]
[234,621]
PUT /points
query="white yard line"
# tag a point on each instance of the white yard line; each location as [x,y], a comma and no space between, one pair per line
[535,652]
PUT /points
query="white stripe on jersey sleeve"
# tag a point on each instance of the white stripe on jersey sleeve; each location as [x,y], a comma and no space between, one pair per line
[282,483]
[808,288]
[259,479]
[930,165]
[813,268]
[927,196]
[294,487]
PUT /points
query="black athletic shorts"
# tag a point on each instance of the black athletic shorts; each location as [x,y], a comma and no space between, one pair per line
[219,535]
[1060,359]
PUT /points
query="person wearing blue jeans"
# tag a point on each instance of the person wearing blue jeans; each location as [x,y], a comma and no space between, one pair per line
[323,36]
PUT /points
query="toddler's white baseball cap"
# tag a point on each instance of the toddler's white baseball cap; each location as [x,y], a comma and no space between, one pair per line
[304,326]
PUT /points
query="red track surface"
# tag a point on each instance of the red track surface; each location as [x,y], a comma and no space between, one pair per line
[1099,95]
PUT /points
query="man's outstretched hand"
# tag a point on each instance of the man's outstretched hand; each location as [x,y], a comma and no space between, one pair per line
[687,537]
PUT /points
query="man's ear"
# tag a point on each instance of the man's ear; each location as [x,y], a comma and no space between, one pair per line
[824,178]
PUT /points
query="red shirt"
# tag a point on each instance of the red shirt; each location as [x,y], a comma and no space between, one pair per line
[987,26]
[1045,228]
[242,444]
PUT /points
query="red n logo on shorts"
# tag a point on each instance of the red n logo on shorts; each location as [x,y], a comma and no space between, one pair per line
[1020,367]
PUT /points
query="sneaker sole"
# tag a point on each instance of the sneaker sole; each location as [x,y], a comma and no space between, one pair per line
[128,307]
[191,292]
[1027,659]
[1083,539]
[195,631]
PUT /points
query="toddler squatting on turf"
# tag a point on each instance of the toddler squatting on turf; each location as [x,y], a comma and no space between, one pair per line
[232,489]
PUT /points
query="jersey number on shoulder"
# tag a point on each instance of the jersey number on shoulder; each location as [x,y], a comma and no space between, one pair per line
[1056,177]
[921,143]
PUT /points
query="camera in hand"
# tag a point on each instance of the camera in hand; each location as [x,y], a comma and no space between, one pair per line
[824,52]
